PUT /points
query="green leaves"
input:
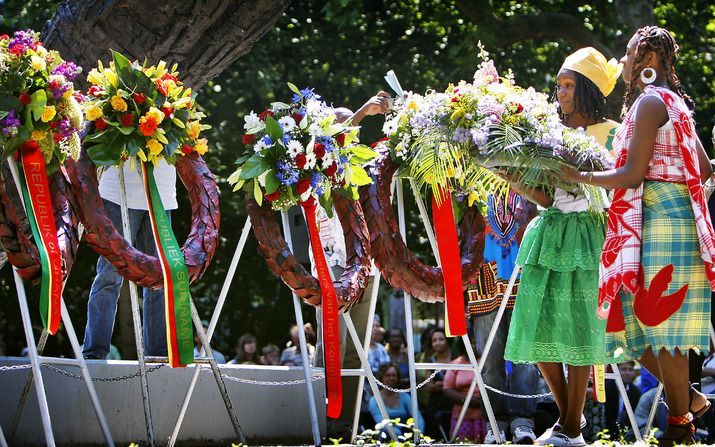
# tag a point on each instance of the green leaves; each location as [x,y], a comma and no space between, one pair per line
[8,102]
[109,148]
[359,176]
[133,79]
[273,129]
[272,183]
[254,166]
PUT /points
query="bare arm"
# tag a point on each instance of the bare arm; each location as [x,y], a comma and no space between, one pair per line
[538,196]
[373,106]
[650,116]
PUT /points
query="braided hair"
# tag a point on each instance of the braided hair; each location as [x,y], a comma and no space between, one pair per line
[660,41]
[590,102]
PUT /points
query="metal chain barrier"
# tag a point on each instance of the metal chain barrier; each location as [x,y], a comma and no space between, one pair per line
[264,383]
[15,367]
[103,379]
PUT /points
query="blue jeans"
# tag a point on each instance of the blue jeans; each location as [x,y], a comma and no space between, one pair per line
[103,297]
[524,378]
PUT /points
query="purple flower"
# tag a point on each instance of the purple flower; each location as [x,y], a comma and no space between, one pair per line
[10,124]
[286,174]
[68,69]
[24,40]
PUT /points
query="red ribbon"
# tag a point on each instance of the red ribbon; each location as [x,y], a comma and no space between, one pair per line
[331,325]
[448,246]
[40,207]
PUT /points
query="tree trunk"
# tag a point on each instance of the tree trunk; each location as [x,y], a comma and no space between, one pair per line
[202,36]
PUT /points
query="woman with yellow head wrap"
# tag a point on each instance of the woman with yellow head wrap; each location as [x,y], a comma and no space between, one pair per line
[554,322]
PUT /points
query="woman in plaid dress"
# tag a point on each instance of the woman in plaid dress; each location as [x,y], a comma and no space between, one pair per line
[657,266]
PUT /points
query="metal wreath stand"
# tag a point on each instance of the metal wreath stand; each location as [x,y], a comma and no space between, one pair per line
[37,359]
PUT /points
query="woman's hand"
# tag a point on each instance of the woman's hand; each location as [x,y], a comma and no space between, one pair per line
[571,175]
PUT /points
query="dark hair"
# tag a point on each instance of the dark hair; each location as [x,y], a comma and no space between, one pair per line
[384,368]
[397,331]
[660,41]
[589,100]
[241,355]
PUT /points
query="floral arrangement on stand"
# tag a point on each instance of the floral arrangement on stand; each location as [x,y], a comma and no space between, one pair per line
[299,150]
[40,119]
[142,114]
[141,111]
[39,107]
[298,153]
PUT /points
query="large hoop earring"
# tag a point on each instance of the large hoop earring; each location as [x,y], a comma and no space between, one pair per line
[648,79]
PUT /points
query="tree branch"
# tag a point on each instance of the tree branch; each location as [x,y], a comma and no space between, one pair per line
[506,32]
[202,36]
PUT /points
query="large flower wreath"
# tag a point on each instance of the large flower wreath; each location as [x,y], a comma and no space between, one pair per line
[299,153]
[141,114]
[40,118]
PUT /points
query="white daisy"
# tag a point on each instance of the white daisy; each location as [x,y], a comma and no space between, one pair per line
[287,123]
[259,146]
[294,148]
[252,121]
[315,130]
[310,160]
[389,127]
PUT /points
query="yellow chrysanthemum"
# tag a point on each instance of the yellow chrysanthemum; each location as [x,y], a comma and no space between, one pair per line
[94,113]
[154,147]
[37,135]
[201,146]
[38,63]
[193,129]
[48,113]
[119,104]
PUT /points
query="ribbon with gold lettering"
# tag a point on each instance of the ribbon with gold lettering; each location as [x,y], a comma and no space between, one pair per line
[445,231]
[38,203]
[177,296]
[331,325]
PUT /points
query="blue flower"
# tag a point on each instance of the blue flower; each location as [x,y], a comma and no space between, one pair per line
[287,139]
[315,179]
[328,144]
[307,93]
[343,159]
[296,98]
[267,141]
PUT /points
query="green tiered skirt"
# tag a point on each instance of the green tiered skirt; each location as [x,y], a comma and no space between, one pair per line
[554,317]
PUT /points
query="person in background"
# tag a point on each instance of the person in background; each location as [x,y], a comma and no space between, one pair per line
[220,358]
[107,284]
[397,350]
[398,405]
[271,355]
[377,354]
[436,403]
[246,351]
[291,356]
[456,385]
[616,415]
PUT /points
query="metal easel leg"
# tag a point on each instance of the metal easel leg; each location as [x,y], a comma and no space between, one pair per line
[212,326]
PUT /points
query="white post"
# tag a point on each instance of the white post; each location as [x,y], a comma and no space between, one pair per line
[626,403]
[136,318]
[303,345]
[212,326]
[408,314]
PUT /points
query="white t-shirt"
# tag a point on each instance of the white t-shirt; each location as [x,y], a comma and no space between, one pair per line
[164,174]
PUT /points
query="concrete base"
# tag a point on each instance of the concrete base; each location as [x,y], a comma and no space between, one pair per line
[267,414]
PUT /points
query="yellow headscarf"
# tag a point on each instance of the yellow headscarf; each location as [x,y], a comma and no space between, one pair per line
[592,64]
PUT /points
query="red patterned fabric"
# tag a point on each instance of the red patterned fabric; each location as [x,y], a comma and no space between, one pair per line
[675,159]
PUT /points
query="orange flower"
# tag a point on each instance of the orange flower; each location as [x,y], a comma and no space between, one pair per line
[149,122]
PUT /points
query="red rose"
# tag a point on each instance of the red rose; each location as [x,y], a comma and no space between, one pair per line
[4,37]
[54,85]
[100,124]
[186,149]
[167,111]
[265,113]
[139,98]
[331,170]
[95,90]
[302,186]
[272,197]
[57,137]
[455,99]
[297,117]
[24,98]
[126,119]
[300,160]
[319,150]
[248,139]
[341,139]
